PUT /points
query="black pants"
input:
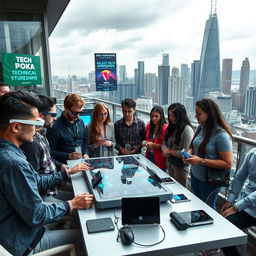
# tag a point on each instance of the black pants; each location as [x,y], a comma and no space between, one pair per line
[241,220]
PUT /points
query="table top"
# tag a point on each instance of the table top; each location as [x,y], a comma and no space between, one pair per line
[219,234]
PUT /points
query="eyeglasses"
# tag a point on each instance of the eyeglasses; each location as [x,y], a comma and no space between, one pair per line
[38,122]
[49,114]
[103,114]
[76,113]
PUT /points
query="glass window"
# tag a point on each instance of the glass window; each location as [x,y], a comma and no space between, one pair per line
[23,33]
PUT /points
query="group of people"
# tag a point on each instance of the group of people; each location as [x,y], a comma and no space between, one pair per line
[35,146]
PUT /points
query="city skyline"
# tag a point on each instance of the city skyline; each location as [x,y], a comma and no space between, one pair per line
[143,31]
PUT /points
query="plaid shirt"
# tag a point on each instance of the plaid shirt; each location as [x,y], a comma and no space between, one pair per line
[133,134]
[47,163]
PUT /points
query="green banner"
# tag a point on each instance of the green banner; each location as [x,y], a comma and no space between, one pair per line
[21,69]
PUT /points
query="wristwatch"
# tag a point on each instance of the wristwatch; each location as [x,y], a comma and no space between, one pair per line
[203,162]
[235,208]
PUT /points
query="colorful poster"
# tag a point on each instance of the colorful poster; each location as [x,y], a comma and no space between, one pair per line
[21,69]
[105,72]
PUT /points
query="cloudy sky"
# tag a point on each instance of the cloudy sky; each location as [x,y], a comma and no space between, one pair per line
[141,30]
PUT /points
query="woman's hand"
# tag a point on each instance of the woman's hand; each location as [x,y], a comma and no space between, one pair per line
[194,160]
[150,145]
[106,143]
[166,152]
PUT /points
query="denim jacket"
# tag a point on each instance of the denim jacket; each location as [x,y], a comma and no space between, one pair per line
[244,185]
[23,212]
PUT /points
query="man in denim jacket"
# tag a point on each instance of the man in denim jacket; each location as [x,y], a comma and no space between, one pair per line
[240,208]
[23,213]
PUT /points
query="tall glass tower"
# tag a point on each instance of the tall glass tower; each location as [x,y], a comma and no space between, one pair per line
[209,79]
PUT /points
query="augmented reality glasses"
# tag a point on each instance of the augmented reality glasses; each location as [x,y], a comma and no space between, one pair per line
[49,114]
[38,122]
[76,113]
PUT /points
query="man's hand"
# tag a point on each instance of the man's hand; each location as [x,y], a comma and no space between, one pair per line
[78,168]
[135,148]
[82,201]
[230,211]
[63,167]
[225,206]
[124,151]
[85,156]
[74,155]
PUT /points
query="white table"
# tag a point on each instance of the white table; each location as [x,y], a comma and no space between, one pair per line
[219,234]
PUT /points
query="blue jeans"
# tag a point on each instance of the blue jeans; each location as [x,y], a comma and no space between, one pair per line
[54,238]
[241,220]
[207,193]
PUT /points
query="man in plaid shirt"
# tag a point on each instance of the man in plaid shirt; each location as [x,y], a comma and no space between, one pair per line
[38,151]
[130,130]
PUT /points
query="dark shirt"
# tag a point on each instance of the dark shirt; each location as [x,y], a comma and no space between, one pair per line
[23,212]
[64,137]
[133,134]
[38,154]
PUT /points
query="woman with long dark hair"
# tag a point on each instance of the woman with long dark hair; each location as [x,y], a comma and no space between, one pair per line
[210,147]
[178,138]
[155,134]
[100,132]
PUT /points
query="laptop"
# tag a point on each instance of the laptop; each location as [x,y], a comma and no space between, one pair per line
[140,210]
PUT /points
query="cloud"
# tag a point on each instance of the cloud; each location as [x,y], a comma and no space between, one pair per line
[91,15]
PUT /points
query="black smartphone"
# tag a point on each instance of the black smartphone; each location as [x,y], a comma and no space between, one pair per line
[96,179]
[179,198]
[167,180]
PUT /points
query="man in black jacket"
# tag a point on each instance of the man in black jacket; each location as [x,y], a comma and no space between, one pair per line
[67,136]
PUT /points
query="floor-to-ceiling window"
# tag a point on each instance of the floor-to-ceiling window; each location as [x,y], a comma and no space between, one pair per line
[23,33]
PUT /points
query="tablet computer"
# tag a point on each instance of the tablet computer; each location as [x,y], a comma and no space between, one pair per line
[195,218]
[99,225]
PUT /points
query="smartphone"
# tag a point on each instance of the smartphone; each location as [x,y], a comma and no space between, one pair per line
[96,179]
[167,180]
[179,198]
[185,154]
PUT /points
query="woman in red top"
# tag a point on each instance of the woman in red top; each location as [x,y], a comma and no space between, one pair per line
[155,134]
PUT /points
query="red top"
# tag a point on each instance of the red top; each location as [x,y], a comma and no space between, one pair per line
[160,160]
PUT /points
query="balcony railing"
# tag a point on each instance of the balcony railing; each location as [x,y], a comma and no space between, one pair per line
[241,145]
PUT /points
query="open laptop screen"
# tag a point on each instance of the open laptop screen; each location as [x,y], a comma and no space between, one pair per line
[140,210]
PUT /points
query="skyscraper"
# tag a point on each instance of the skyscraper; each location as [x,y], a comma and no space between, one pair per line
[165,59]
[195,75]
[141,86]
[244,82]
[226,77]
[163,76]
[122,74]
[209,79]
[250,103]
[176,87]
[185,74]
[150,81]
[244,76]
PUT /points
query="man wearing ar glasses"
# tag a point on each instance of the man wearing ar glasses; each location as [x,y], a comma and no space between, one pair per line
[67,136]
[22,207]
[38,151]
